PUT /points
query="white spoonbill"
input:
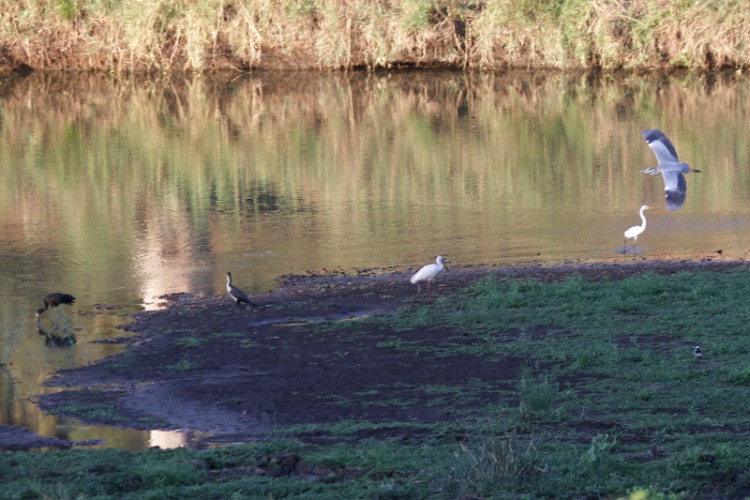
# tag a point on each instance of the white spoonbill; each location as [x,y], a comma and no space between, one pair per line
[635,231]
[428,273]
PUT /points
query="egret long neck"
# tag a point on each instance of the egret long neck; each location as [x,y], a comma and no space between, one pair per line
[643,218]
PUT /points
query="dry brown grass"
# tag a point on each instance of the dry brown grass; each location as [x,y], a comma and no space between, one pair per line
[180,35]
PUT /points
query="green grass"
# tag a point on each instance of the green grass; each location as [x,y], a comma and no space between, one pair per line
[607,401]
[89,411]
[191,342]
[183,365]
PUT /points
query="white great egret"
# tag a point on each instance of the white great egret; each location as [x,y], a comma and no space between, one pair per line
[635,231]
[238,295]
[428,273]
[671,169]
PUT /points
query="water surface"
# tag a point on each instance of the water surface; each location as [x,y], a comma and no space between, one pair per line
[119,191]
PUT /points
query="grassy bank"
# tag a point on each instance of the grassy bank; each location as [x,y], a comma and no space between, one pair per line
[178,35]
[607,399]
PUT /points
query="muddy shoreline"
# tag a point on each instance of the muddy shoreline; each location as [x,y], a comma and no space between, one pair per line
[234,374]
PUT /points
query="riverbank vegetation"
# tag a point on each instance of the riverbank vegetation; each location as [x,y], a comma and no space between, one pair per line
[184,36]
[603,397]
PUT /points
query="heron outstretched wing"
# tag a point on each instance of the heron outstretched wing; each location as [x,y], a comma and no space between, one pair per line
[675,188]
[660,145]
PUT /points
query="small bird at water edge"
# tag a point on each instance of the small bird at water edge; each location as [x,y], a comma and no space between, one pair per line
[238,295]
[698,352]
[54,300]
[428,273]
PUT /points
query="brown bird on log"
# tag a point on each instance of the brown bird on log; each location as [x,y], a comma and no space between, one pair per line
[54,300]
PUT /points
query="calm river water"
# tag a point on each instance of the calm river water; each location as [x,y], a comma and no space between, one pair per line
[119,191]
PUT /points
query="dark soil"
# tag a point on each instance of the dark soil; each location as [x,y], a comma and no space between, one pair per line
[234,373]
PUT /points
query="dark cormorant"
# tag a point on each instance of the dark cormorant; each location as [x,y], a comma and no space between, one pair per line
[238,295]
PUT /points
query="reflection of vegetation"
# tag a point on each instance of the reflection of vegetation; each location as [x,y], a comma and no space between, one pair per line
[60,335]
[53,340]
[114,181]
[195,165]
[260,198]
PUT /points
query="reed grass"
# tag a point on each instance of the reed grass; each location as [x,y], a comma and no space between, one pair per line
[184,36]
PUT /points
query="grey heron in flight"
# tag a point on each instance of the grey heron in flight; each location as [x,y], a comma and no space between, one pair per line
[672,170]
